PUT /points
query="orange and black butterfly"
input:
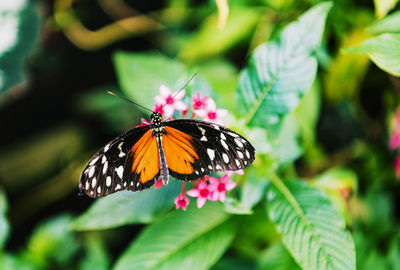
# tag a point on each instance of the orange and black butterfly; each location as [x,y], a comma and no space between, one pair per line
[186,149]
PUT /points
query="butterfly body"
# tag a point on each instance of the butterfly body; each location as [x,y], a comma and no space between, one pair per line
[185,149]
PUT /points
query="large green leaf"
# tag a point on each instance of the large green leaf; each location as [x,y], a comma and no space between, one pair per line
[19,28]
[278,258]
[141,74]
[194,239]
[128,208]
[389,24]
[313,232]
[279,72]
[384,51]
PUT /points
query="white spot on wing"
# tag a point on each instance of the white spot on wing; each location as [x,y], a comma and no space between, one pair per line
[107,147]
[203,138]
[211,153]
[247,154]
[94,182]
[240,154]
[215,126]
[202,169]
[91,171]
[202,130]
[120,171]
[99,189]
[87,185]
[118,187]
[108,181]
[103,159]
[223,136]
[238,142]
[105,167]
[233,134]
[121,154]
[125,183]
[225,157]
[210,167]
[224,144]
[93,161]
[237,162]
[218,167]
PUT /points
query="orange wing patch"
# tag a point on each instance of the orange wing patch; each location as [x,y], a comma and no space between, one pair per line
[145,157]
[179,151]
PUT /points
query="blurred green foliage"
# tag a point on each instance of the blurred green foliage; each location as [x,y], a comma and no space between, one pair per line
[313,85]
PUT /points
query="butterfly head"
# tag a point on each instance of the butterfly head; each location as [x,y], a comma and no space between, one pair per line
[156,119]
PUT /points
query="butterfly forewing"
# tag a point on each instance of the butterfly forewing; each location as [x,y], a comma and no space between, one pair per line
[105,172]
[216,148]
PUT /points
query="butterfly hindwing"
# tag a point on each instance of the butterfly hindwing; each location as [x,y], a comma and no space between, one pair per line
[105,172]
[216,148]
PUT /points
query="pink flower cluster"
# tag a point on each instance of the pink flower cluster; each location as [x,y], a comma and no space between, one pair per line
[394,142]
[207,188]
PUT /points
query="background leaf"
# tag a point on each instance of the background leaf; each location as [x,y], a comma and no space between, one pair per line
[384,51]
[128,207]
[281,71]
[389,24]
[4,225]
[165,241]
[311,229]
[141,74]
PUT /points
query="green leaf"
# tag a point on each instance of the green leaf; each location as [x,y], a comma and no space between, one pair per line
[19,25]
[96,255]
[277,257]
[53,241]
[192,239]
[383,50]
[382,7]
[141,74]
[210,41]
[128,207]
[4,225]
[389,24]
[311,229]
[281,71]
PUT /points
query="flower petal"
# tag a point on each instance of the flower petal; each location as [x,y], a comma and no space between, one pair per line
[168,110]
[222,196]
[193,192]
[201,201]
[200,113]
[180,106]
[179,95]
[159,100]
[164,91]
[230,185]
[211,105]
[221,113]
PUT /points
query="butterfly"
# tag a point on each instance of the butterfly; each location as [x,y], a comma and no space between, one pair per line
[186,149]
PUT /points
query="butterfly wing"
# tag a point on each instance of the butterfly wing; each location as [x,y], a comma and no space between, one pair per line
[195,148]
[111,169]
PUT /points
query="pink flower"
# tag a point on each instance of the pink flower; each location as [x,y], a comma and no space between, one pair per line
[181,201]
[397,167]
[210,113]
[158,183]
[169,101]
[394,141]
[202,192]
[143,123]
[220,186]
[199,103]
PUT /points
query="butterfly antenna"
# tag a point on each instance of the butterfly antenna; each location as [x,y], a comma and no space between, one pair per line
[191,78]
[112,93]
